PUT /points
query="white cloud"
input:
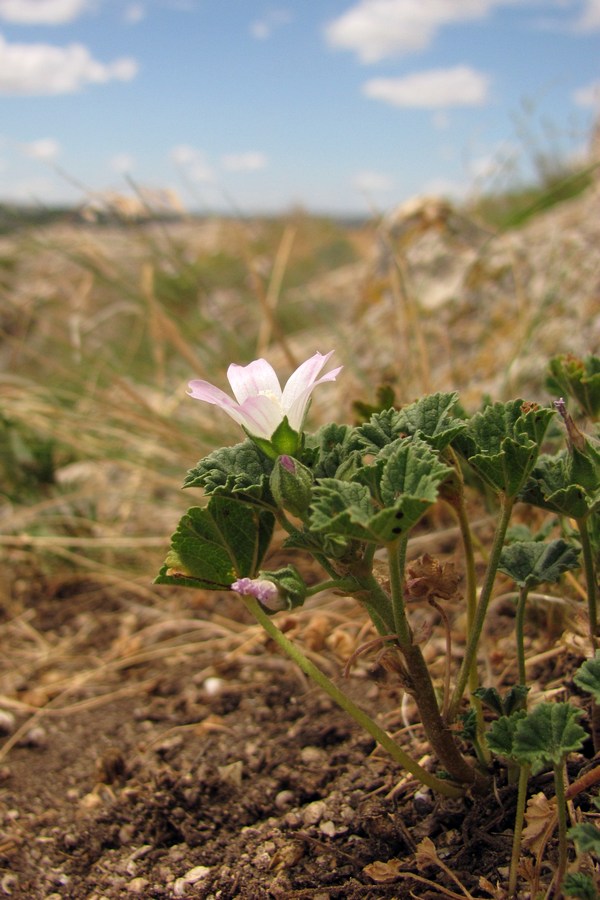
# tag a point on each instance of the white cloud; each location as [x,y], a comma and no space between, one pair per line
[193,163]
[45,149]
[431,89]
[376,29]
[42,12]
[135,13]
[370,182]
[36,69]
[262,29]
[244,162]
[588,95]
[589,18]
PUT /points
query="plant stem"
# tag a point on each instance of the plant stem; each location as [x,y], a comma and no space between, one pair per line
[561,812]
[470,656]
[519,817]
[365,721]
[590,579]
[519,626]
[421,685]
[397,561]
[341,584]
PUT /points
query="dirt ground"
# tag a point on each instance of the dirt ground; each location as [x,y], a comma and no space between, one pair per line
[165,749]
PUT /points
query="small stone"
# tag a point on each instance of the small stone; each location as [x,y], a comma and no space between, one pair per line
[314,812]
[35,737]
[7,721]
[212,686]
[137,885]
[328,828]
[284,799]
[310,755]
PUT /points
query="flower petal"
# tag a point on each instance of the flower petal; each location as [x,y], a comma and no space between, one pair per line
[255,378]
[261,588]
[303,378]
[203,390]
[261,415]
[300,385]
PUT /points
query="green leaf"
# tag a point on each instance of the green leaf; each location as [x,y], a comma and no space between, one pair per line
[404,480]
[429,418]
[579,378]
[332,448]
[502,443]
[588,676]
[579,885]
[341,508]
[567,483]
[240,471]
[411,467]
[530,562]
[501,734]
[216,544]
[548,734]
[381,429]
[586,836]
[513,701]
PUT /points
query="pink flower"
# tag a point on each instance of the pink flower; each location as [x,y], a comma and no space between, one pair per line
[260,404]
[265,591]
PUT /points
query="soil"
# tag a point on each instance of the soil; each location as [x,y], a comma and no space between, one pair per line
[164,749]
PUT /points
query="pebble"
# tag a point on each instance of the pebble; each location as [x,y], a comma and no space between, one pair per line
[137,885]
[7,721]
[314,812]
[213,686]
[189,879]
[284,799]
[310,755]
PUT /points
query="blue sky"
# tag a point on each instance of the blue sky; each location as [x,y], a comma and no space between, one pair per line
[340,106]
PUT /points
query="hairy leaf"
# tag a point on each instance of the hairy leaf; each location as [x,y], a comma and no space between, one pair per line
[387,498]
[588,676]
[587,837]
[501,734]
[567,483]
[530,563]
[502,443]
[216,544]
[430,419]
[548,734]
[239,471]
[579,885]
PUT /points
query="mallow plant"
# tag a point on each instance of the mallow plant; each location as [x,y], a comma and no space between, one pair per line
[344,493]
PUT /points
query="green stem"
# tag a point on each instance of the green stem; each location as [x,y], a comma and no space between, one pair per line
[471,580]
[365,721]
[341,584]
[519,818]
[397,561]
[375,600]
[519,630]
[457,503]
[590,579]
[470,657]
[421,685]
[561,813]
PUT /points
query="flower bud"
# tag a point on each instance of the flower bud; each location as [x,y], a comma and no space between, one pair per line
[291,485]
[281,589]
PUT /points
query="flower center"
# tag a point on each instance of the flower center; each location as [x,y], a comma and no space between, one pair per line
[272,396]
